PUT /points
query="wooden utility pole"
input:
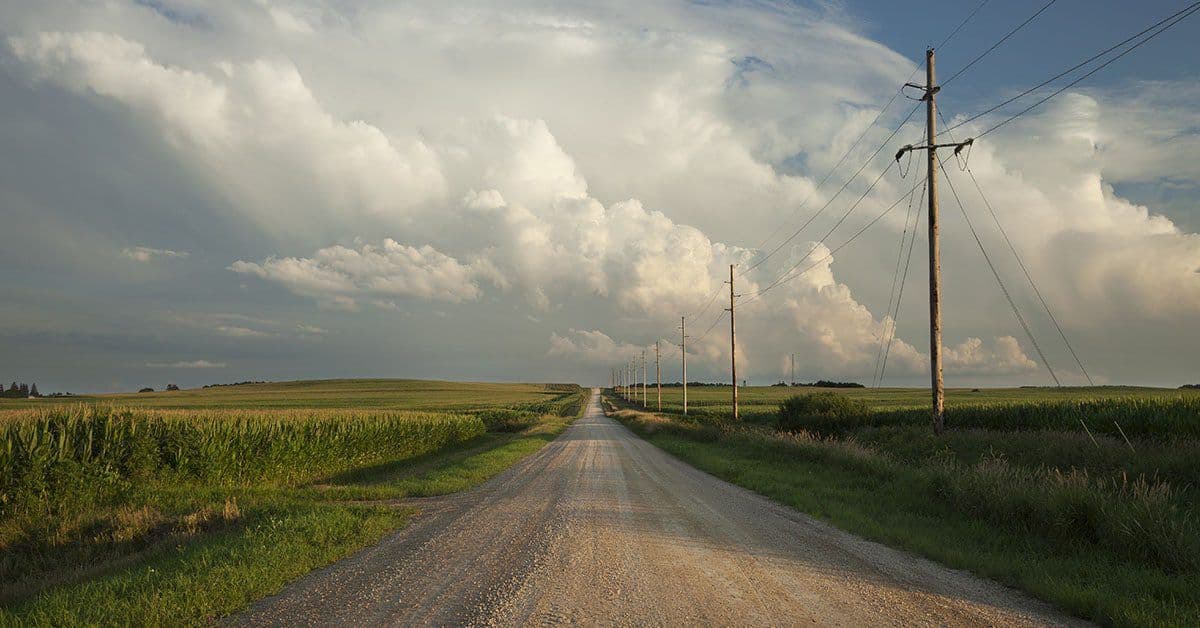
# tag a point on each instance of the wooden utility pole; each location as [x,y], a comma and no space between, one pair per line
[658,374]
[732,345]
[935,251]
[643,378]
[632,388]
[683,355]
[793,369]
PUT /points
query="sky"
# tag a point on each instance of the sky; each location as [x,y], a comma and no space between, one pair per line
[199,193]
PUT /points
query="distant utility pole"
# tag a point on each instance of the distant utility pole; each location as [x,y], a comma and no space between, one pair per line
[632,387]
[732,345]
[643,378]
[793,369]
[658,374]
[935,252]
[683,354]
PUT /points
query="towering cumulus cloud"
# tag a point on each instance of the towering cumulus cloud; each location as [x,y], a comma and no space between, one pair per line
[598,168]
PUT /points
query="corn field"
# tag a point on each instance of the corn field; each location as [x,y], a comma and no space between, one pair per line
[44,450]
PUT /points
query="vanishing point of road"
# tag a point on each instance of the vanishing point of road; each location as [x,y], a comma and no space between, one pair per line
[601,527]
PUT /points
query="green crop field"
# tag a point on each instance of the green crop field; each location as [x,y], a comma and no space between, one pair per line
[184,506]
[1085,497]
[716,399]
[361,394]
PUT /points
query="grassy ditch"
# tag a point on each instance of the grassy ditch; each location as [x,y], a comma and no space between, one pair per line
[156,516]
[1103,527]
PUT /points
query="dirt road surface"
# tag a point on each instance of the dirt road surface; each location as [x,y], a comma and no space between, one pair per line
[600,527]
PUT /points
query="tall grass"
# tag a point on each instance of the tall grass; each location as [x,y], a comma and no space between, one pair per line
[89,452]
[1131,417]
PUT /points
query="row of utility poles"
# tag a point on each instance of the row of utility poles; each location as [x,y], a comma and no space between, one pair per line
[624,380]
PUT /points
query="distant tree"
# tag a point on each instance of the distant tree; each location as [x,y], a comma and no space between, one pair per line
[172,387]
[146,389]
[33,391]
[24,390]
[12,391]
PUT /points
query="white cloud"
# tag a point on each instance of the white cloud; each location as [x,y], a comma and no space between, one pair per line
[254,129]
[310,329]
[187,364]
[636,153]
[236,331]
[1005,356]
[146,254]
[593,347]
[341,275]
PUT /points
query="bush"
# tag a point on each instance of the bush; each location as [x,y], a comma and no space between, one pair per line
[818,412]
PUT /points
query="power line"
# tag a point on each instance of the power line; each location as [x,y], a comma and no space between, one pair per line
[1192,9]
[711,327]
[832,229]
[1029,277]
[900,298]
[956,29]
[853,146]
[908,217]
[1021,263]
[836,194]
[826,177]
[711,300]
[1071,69]
[987,258]
[786,277]
[997,44]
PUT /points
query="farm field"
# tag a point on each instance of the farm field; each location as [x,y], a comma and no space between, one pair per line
[1100,520]
[186,506]
[382,394]
[712,399]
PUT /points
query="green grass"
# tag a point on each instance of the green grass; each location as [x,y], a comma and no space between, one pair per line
[1101,531]
[195,581]
[177,516]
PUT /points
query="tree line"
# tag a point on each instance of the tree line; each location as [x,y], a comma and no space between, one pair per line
[20,391]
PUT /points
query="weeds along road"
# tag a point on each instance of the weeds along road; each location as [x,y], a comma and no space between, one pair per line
[602,527]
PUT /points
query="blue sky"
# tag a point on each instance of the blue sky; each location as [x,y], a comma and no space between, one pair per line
[297,189]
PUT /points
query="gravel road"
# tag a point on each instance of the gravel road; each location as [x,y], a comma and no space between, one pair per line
[600,527]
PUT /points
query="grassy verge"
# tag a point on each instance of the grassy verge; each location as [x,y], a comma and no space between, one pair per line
[198,580]
[171,555]
[1119,554]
